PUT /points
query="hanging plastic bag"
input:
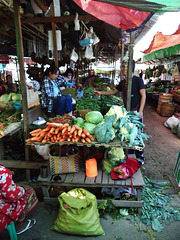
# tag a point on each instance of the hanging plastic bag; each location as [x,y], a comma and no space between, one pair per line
[86,41]
[76,22]
[74,56]
[89,52]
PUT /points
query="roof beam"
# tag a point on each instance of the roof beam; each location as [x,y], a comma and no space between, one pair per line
[62,19]
[3,32]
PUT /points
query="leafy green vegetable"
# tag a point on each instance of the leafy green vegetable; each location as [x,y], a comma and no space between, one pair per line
[79,121]
[94,117]
[116,154]
[90,127]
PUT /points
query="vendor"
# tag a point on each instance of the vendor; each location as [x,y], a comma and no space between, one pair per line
[90,81]
[10,86]
[53,102]
[70,82]
[15,203]
[2,88]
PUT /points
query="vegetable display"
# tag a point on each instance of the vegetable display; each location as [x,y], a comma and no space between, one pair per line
[102,103]
[57,132]
[121,123]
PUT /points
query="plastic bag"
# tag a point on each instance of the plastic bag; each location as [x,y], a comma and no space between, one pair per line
[74,56]
[43,150]
[76,22]
[78,214]
[89,52]
[172,122]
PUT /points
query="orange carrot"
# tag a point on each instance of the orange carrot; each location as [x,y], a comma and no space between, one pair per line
[75,133]
[83,140]
[77,139]
[72,129]
[62,140]
[56,131]
[34,139]
[64,130]
[44,141]
[66,125]
[69,128]
[79,132]
[86,132]
[54,124]
[77,127]
[91,137]
[52,130]
[46,129]
[88,140]
[83,135]
[35,131]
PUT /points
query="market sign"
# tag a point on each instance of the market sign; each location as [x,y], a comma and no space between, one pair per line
[4,59]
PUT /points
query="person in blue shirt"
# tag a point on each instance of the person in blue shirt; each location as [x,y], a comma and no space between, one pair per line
[53,102]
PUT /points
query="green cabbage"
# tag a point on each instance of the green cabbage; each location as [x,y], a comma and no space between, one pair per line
[79,121]
[116,154]
[90,127]
[4,98]
[94,117]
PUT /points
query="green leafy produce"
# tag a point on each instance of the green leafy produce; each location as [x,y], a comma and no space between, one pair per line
[108,101]
[116,154]
[103,131]
[93,103]
[90,127]
[107,166]
[157,207]
[79,121]
[4,98]
[94,117]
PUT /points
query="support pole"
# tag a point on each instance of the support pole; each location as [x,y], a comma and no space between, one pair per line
[122,57]
[20,54]
[130,65]
[54,37]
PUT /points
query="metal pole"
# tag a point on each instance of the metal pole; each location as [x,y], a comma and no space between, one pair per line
[20,54]
[130,65]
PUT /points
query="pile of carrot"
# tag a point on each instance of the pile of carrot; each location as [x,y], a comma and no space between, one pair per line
[57,132]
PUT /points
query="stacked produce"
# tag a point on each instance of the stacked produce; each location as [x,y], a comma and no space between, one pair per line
[101,104]
[57,132]
[3,126]
[10,107]
[122,124]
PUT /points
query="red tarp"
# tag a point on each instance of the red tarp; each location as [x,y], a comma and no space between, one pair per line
[119,17]
[161,41]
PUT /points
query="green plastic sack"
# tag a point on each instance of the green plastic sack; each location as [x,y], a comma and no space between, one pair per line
[78,214]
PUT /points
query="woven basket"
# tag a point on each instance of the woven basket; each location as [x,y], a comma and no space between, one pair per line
[64,164]
[82,113]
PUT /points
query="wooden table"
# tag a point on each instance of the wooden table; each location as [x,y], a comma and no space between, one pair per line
[102,180]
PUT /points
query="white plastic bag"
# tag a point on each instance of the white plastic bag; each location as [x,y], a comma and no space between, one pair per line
[74,56]
[43,150]
[76,23]
[172,122]
[89,52]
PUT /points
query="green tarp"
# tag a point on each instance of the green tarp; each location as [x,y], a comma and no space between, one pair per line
[163,53]
[149,6]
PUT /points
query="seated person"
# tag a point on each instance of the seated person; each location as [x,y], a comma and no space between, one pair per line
[53,102]
[15,203]
[10,86]
[69,78]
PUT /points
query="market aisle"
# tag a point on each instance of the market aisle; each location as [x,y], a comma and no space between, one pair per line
[162,148]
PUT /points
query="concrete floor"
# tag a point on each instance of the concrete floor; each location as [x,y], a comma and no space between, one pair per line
[161,153]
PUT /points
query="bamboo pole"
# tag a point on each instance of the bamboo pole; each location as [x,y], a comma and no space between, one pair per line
[54,37]
[20,54]
[130,65]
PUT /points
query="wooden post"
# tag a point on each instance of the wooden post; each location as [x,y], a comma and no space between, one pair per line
[122,57]
[130,65]
[54,37]
[20,54]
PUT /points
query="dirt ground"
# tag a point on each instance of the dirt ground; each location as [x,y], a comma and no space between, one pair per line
[162,147]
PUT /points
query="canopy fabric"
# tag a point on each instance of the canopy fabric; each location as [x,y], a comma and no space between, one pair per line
[161,41]
[147,5]
[163,53]
[116,16]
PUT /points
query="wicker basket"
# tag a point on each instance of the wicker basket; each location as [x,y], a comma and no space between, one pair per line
[82,113]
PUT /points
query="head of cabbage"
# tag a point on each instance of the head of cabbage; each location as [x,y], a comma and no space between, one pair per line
[94,117]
